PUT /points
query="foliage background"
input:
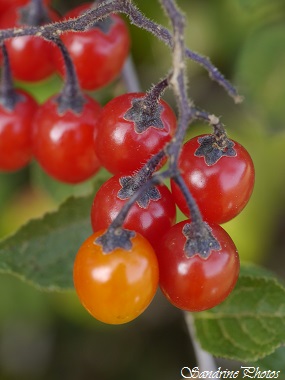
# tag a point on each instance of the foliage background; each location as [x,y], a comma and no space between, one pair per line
[49,335]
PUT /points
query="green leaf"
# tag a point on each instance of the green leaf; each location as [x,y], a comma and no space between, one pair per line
[42,251]
[275,361]
[250,323]
[61,191]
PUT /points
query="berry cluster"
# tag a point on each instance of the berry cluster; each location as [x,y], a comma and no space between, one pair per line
[58,133]
[137,137]
[194,261]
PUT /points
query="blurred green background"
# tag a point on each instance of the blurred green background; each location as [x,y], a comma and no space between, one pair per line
[50,336]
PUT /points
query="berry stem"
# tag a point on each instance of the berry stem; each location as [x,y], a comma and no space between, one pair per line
[8,96]
[104,9]
[155,93]
[219,138]
[178,81]
[192,205]
[199,237]
[138,19]
[148,169]
[34,14]
[215,74]
[211,119]
[145,112]
[71,96]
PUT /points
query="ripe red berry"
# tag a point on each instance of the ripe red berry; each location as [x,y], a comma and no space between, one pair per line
[16,132]
[195,283]
[129,134]
[222,189]
[153,214]
[31,58]
[99,53]
[63,143]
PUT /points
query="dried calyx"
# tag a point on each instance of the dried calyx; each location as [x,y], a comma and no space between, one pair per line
[146,112]
[115,238]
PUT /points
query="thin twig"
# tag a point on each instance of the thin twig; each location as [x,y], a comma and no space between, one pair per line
[89,18]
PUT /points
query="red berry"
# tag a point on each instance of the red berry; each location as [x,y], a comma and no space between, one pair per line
[31,58]
[151,219]
[63,143]
[126,140]
[195,283]
[99,53]
[16,132]
[222,189]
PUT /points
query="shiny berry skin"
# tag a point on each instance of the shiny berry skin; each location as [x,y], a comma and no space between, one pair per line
[120,148]
[63,143]
[31,58]
[150,222]
[221,190]
[195,283]
[16,133]
[116,287]
[98,55]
